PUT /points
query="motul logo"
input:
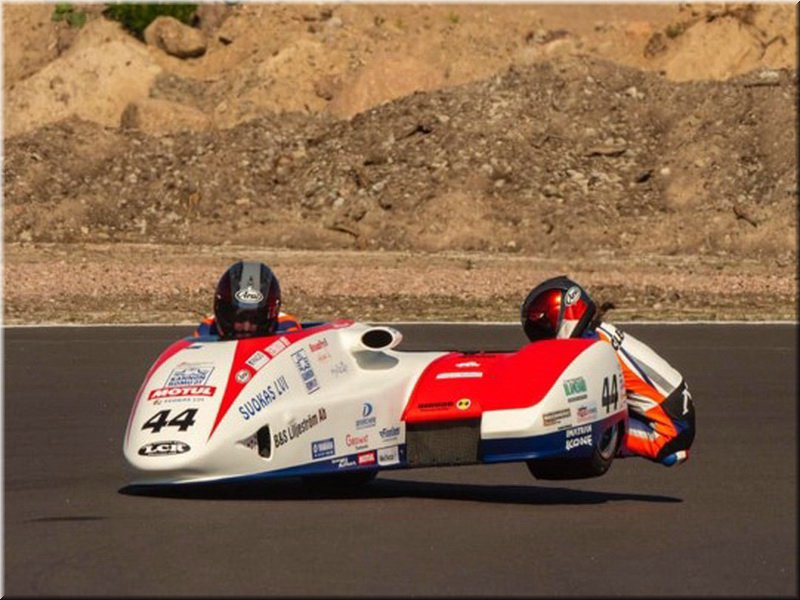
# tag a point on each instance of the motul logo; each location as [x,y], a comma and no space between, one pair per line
[164,448]
[182,391]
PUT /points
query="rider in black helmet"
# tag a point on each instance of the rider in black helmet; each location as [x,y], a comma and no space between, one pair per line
[247,301]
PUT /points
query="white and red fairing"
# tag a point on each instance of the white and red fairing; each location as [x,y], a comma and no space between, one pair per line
[339,397]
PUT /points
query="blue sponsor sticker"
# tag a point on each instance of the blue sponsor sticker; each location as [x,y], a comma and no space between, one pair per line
[306,371]
[323,448]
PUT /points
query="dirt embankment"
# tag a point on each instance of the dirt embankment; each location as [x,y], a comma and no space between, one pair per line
[398,162]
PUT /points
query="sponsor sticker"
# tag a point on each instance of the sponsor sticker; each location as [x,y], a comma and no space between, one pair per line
[460,375]
[586,413]
[184,391]
[366,458]
[262,399]
[390,433]
[277,346]
[189,374]
[359,442]
[306,371]
[249,295]
[388,456]
[344,463]
[584,440]
[575,389]
[339,369]
[169,448]
[323,448]
[463,404]
[468,364]
[555,417]
[318,345]
[434,405]
[243,376]
[572,295]
[297,428]
[367,419]
[257,360]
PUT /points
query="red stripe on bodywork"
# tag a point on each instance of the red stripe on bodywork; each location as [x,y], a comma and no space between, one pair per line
[166,355]
[508,380]
[245,349]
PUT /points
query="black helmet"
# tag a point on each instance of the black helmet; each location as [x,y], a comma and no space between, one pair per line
[557,308]
[247,301]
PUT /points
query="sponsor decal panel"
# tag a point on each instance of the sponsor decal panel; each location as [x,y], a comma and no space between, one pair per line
[572,295]
[578,436]
[434,405]
[366,458]
[243,376]
[586,413]
[264,398]
[344,463]
[339,369]
[388,456]
[249,295]
[181,393]
[460,375]
[468,364]
[367,419]
[257,360]
[323,448]
[463,404]
[575,389]
[277,346]
[168,448]
[306,371]
[556,416]
[189,374]
[389,433]
[295,429]
[359,442]
[319,350]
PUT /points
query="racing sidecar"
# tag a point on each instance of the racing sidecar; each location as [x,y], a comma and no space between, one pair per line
[338,402]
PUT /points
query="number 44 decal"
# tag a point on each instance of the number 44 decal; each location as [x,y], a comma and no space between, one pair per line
[161,419]
[610,395]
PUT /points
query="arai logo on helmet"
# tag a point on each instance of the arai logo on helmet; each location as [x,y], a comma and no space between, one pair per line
[249,295]
[572,295]
[164,448]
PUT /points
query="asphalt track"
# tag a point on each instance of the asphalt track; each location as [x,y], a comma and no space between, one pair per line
[723,524]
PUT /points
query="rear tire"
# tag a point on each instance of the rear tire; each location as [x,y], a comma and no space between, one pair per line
[596,465]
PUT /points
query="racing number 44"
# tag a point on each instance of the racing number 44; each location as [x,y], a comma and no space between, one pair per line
[610,395]
[161,419]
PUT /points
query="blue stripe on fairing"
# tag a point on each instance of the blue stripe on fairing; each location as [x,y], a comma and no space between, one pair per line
[313,468]
[550,445]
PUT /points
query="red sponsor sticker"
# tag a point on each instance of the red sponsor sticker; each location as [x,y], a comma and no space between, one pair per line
[366,458]
[182,391]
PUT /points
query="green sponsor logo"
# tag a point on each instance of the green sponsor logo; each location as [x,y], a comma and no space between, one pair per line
[574,386]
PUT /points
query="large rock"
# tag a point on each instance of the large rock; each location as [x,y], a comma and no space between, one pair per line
[156,116]
[95,80]
[175,38]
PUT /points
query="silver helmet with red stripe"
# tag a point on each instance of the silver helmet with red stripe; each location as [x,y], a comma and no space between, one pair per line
[247,301]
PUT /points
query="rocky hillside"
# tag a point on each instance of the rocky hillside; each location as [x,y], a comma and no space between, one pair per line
[533,130]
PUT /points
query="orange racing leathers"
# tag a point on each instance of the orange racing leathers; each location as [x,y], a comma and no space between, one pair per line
[286,322]
[661,423]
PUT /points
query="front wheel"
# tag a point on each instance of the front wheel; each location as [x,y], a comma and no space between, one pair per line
[581,468]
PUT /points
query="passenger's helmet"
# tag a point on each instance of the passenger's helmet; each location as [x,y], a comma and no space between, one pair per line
[557,308]
[247,301]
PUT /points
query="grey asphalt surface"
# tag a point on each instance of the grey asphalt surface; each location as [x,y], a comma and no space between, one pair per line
[723,524]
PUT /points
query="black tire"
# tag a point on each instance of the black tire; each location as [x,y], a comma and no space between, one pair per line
[581,468]
[340,480]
